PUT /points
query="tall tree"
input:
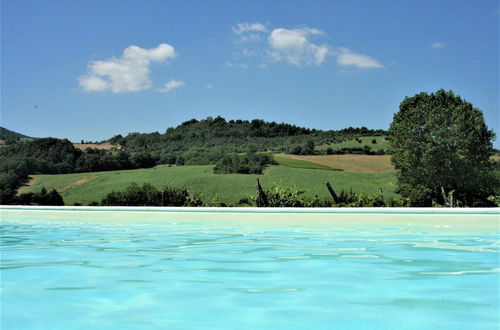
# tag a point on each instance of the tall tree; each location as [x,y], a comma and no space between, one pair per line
[439,140]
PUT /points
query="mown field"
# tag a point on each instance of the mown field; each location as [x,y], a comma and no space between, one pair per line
[84,188]
[382,143]
[349,163]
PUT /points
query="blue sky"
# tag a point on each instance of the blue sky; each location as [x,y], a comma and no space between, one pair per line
[92,69]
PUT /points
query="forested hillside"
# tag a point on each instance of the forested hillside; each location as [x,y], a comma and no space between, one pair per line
[9,137]
[206,141]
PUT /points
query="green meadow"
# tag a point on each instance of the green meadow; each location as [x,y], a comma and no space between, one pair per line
[84,188]
[298,163]
[382,143]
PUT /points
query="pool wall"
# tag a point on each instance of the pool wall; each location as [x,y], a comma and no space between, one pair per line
[477,217]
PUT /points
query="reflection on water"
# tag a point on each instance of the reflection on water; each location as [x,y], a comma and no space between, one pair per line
[189,275]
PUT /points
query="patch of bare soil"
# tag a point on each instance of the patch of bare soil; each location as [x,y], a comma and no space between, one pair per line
[104,146]
[76,183]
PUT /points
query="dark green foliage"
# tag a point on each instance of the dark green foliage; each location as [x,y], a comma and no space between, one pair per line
[307,148]
[374,141]
[365,150]
[148,195]
[42,198]
[362,131]
[249,163]
[439,140]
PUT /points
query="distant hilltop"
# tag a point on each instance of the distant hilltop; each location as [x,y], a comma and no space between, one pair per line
[8,137]
[256,128]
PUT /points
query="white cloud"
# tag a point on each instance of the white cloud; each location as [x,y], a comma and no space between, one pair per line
[347,58]
[209,86]
[172,84]
[249,31]
[294,47]
[129,73]
[297,46]
[437,45]
[242,28]
[93,84]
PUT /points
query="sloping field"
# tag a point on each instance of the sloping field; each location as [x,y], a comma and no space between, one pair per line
[229,188]
[297,163]
[349,163]
[382,143]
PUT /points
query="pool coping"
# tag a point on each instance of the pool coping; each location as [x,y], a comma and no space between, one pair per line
[262,210]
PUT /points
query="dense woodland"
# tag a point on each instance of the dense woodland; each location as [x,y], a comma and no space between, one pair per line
[207,141]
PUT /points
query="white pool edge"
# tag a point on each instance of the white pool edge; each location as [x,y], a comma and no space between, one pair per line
[265,210]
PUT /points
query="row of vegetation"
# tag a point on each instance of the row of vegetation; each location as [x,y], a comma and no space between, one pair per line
[309,148]
[278,196]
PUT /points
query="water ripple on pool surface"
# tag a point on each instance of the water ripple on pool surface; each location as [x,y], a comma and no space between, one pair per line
[189,275]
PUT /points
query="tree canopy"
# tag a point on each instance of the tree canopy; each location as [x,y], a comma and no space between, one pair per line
[439,140]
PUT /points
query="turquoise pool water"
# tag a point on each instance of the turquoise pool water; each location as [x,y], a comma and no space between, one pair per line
[168,274]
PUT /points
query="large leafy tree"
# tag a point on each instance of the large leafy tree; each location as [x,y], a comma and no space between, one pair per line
[439,140]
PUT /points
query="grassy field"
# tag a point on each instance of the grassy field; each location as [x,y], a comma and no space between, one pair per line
[382,144]
[229,188]
[285,160]
[348,163]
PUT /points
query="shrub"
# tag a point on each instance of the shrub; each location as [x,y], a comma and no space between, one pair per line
[41,198]
[250,163]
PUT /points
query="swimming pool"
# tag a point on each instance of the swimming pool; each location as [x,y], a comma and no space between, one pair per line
[227,270]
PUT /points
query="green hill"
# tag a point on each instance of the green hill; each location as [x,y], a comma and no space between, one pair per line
[8,137]
[197,142]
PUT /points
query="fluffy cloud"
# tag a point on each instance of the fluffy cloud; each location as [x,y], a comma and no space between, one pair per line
[294,47]
[129,73]
[93,84]
[242,28]
[437,45]
[249,31]
[347,58]
[172,84]
[297,47]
